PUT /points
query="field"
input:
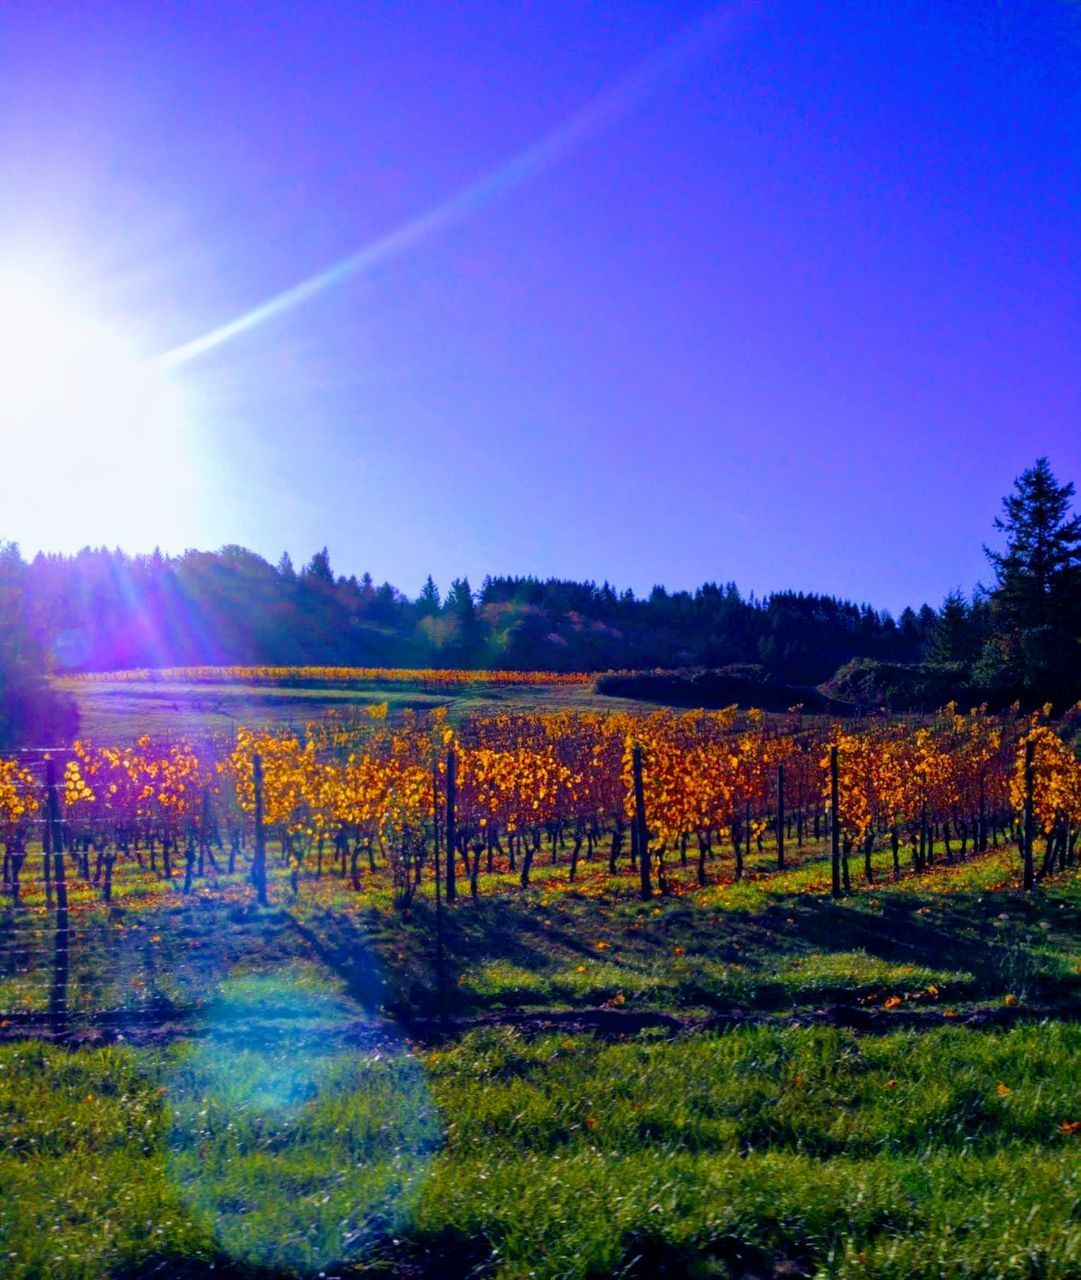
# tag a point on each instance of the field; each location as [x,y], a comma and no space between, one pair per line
[117,710]
[750,1077]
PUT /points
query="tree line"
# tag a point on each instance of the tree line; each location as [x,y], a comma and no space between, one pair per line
[104,610]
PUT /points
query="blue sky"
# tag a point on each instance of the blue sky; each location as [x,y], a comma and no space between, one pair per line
[794,312]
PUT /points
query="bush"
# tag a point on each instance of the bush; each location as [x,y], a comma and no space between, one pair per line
[743,684]
[32,712]
[919,686]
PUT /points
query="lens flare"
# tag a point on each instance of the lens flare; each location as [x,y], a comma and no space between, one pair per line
[300,1131]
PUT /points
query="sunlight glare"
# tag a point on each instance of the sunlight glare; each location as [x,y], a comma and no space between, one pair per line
[95,440]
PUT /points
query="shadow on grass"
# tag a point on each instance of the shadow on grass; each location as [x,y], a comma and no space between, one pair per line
[169,1266]
[391,962]
[964,932]
[161,966]
[442,1258]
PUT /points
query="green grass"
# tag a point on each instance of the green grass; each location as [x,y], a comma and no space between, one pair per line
[936,1154]
[778,950]
[289,1103]
[714,1153]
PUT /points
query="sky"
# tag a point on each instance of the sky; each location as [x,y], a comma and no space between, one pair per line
[781,293]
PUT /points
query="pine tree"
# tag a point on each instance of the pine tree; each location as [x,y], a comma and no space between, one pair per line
[460,600]
[318,568]
[469,632]
[1039,573]
[428,601]
[954,637]
[1036,602]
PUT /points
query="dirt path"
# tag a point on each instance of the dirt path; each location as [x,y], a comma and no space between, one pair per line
[149,1027]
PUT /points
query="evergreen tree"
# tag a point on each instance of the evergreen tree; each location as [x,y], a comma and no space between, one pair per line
[953,638]
[460,600]
[428,602]
[1039,573]
[926,620]
[318,568]
[467,647]
[1036,602]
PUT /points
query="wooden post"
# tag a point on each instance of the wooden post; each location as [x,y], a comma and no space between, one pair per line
[780,817]
[616,847]
[258,866]
[451,826]
[56,837]
[835,826]
[641,825]
[439,958]
[981,840]
[189,861]
[1028,836]
[737,845]
[747,828]
[47,854]
[204,831]
[58,996]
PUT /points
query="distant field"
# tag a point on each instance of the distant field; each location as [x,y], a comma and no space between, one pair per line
[173,702]
[437,677]
[197,701]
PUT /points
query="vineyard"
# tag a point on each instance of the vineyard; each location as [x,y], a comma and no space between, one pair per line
[661,804]
[469,986]
[529,749]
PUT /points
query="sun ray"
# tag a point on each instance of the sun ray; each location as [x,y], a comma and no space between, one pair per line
[671,63]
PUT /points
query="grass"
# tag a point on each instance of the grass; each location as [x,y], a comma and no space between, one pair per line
[286,1102]
[121,711]
[953,940]
[941,1153]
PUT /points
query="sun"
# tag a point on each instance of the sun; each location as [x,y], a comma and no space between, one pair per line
[94,437]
